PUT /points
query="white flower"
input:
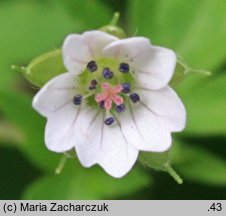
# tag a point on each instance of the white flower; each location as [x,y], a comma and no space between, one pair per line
[113,102]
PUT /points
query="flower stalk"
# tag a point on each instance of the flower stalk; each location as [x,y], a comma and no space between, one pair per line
[61,164]
[168,168]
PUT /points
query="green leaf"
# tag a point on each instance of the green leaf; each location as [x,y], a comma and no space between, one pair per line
[205,103]
[90,14]
[10,134]
[45,67]
[17,109]
[195,29]
[76,182]
[198,164]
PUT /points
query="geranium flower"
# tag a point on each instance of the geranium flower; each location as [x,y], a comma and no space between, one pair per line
[113,101]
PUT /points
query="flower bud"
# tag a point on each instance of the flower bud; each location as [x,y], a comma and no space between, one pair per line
[114,30]
[159,161]
[43,68]
[182,70]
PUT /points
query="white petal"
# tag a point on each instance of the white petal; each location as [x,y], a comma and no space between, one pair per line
[78,50]
[147,125]
[153,66]
[144,130]
[154,69]
[89,134]
[118,156]
[107,146]
[167,105]
[127,49]
[61,128]
[58,92]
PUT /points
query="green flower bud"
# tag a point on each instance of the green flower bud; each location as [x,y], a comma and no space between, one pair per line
[159,161]
[113,29]
[154,160]
[182,70]
[43,68]
[180,73]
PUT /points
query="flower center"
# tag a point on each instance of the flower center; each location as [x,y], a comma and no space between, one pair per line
[109,94]
[107,84]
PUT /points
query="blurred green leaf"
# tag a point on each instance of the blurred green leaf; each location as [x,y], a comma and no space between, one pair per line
[16,172]
[29,28]
[198,164]
[195,29]
[205,103]
[76,182]
[92,14]
[9,133]
[17,109]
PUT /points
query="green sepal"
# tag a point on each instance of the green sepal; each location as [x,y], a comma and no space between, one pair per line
[113,29]
[182,70]
[43,68]
[159,161]
[154,160]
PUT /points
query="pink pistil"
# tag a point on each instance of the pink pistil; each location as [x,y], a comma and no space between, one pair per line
[109,94]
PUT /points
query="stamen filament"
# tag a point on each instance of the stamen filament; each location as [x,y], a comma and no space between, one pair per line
[88,95]
[109,120]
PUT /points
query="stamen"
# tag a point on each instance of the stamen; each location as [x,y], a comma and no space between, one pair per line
[120,108]
[124,67]
[88,95]
[101,104]
[77,100]
[92,87]
[134,97]
[126,88]
[107,73]
[93,84]
[92,66]
[109,121]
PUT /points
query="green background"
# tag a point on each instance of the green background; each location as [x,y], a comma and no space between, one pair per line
[195,29]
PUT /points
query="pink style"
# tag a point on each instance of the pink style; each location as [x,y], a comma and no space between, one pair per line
[109,94]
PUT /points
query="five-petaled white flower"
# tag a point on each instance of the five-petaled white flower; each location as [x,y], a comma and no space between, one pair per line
[113,101]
